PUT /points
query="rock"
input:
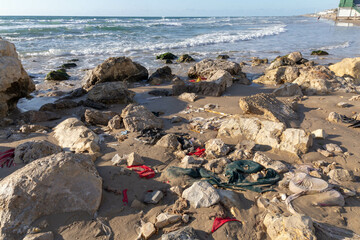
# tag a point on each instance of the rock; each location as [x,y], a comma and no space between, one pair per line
[319,53]
[40,236]
[72,134]
[341,175]
[176,119]
[296,141]
[333,148]
[347,67]
[97,117]
[185,58]
[147,230]
[343,104]
[133,159]
[295,56]
[153,197]
[108,93]
[68,65]
[217,165]
[185,233]
[267,162]
[268,106]
[189,97]
[216,148]
[325,153]
[168,61]
[221,76]
[229,198]
[169,141]
[270,133]
[137,118]
[117,160]
[319,134]
[164,219]
[30,151]
[177,190]
[190,162]
[137,204]
[166,56]
[355,98]
[279,75]
[207,67]
[160,92]
[33,116]
[281,61]
[92,104]
[63,104]
[185,218]
[295,227]
[76,93]
[334,117]
[59,183]
[161,75]
[223,56]
[288,90]
[201,194]
[28,128]
[117,69]
[115,123]
[57,75]
[257,61]
[14,81]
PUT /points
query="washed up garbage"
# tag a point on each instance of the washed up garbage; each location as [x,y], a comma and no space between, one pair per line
[200,152]
[354,123]
[218,222]
[125,197]
[7,158]
[199,79]
[236,173]
[143,171]
[150,136]
[124,132]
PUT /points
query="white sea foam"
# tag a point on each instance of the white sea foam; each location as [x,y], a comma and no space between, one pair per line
[341,45]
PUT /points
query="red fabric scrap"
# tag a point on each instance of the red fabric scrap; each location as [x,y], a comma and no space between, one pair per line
[196,80]
[199,152]
[7,158]
[125,198]
[218,222]
[143,171]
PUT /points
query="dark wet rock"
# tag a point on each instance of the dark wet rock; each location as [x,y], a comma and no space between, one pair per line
[166,56]
[76,93]
[168,61]
[119,69]
[57,75]
[319,53]
[161,75]
[257,61]
[68,65]
[185,58]
[39,116]
[73,60]
[62,104]
[111,92]
[160,92]
[98,117]
[223,56]
[92,104]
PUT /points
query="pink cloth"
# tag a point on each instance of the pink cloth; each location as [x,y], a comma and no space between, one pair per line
[218,222]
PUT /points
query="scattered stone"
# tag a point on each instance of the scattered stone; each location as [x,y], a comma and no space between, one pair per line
[334,117]
[262,203]
[33,150]
[185,58]
[201,194]
[189,97]
[168,61]
[190,162]
[185,233]
[137,117]
[223,56]
[347,67]
[207,67]
[176,119]
[134,159]
[343,105]
[295,141]
[160,92]
[211,106]
[97,117]
[68,65]
[92,104]
[59,183]
[166,56]
[217,165]
[29,128]
[325,153]
[137,204]
[62,104]
[295,57]
[355,98]
[185,218]
[319,53]
[293,227]
[72,134]
[216,148]
[153,197]
[164,219]
[161,75]
[169,141]
[57,75]
[341,175]
[76,93]
[33,116]
[110,92]
[268,106]
[288,90]
[333,148]
[267,162]
[115,123]
[117,69]
[319,134]
[177,190]
[257,61]
[39,236]
[147,230]
[117,160]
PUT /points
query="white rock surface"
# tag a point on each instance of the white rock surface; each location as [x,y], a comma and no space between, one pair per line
[201,194]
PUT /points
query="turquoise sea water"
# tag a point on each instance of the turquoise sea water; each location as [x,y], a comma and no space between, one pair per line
[46,42]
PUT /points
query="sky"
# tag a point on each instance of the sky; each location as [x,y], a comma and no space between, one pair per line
[163,7]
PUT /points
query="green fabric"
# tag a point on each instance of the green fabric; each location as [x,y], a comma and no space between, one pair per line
[236,173]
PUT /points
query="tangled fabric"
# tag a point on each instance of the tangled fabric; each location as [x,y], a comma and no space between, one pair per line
[199,152]
[143,171]
[125,198]
[7,158]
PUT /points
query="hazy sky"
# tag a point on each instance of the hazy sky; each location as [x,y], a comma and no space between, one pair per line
[164,7]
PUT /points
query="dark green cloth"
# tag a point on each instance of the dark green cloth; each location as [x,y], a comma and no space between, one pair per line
[236,173]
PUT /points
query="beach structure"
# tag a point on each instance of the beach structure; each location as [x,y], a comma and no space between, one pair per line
[349,9]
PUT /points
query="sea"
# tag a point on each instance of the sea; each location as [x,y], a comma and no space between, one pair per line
[45,43]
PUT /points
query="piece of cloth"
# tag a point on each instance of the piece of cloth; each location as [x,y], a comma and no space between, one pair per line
[199,152]
[199,79]
[7,158]
[143,171]
[125,197]
[150,136]
[218,222]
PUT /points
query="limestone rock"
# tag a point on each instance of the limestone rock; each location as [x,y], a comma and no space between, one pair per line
[270,133]
[137,118]
[333,148]
[164,219]
[295,56]
[295,227]
[134,159]
[188,97]
[62,104]
[334,117]
[269,106]
[185,233]
[30,151]
[115,123]
[206,67]
[190,162]
[296,141]
[97,117]
[217,165]
[343,104]
[161,75]
[116,69]
[33,116]
[72,134]
[319,134]
[153,197]
[216,148]
[201,194]
[59,183]
[288,90]
[108,93]
[341,175]
[267,162]
[169,141]
[14,81]
[222,76]
[40,236]
[147,230]
[30,128]
[185,58]
[286,74]
[348,66]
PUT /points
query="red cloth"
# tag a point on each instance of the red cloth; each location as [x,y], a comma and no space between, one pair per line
[6,158]
[143,171]
[218,222]
[195,80]
[199,152]
[125,198]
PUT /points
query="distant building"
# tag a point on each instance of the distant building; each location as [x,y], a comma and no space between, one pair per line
[349,9]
